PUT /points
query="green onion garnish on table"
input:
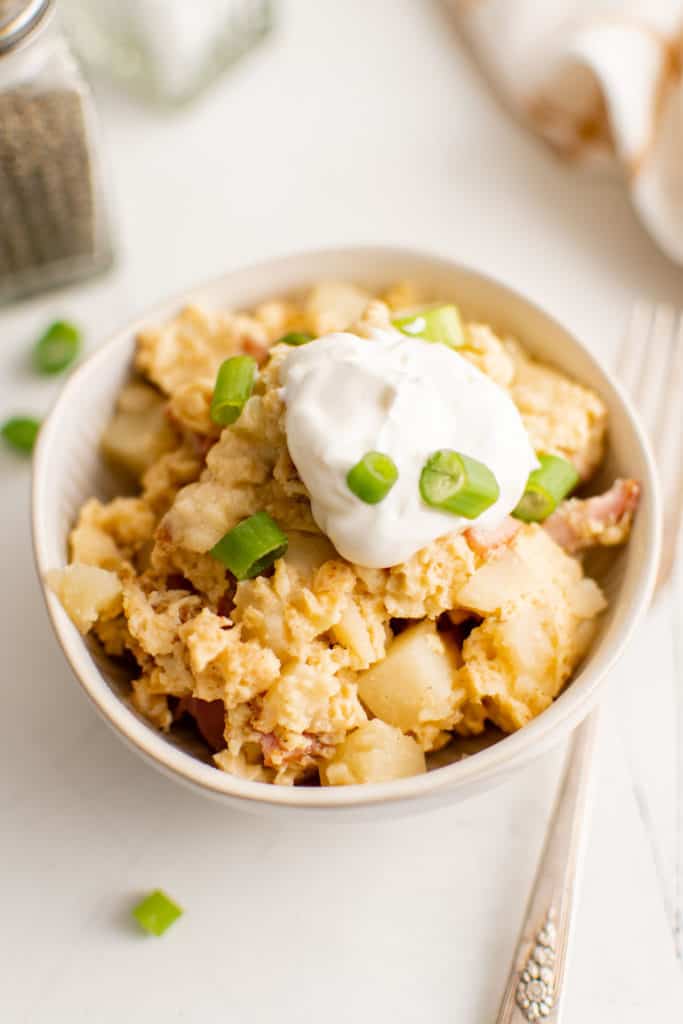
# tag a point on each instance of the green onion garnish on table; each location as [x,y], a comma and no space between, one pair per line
[295,338]
[234,385]
[156,912]
[441,324]
[372,478]
[20,433]
[455,483]
[251,547]
[545,489]
[57,348]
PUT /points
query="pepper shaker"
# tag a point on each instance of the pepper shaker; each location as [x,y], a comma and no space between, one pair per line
[53,220]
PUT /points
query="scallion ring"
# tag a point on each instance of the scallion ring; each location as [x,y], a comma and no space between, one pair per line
[20,433]
[455,483]
[234,385]
[441,324]
[295,338]
[545,489]
[251,547]
[57,347]
[156,912]
[372,477]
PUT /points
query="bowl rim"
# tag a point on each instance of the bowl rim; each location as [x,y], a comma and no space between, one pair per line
[489,763]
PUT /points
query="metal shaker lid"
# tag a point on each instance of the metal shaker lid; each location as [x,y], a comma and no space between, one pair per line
[18,18]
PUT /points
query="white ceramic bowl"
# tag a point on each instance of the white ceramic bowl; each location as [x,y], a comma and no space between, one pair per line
[68,469]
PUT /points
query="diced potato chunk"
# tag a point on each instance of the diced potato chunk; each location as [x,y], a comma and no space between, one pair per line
[539,614]
[413,687]
[532,564]
[375,752]
[334,306]
[87,593]
[503,579]
[139,432]
[306,552]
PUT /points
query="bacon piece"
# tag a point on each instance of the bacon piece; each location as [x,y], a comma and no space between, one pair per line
[269,745]
[482,539]
[275,755]
[581,523]
[209,716]
[258,350]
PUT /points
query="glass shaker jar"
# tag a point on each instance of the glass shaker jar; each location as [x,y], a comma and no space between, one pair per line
[53,222]
[166,51]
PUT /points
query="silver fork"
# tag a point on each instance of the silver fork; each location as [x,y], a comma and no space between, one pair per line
[650,365]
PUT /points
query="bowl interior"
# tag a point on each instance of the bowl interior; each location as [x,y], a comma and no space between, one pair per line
[68,470]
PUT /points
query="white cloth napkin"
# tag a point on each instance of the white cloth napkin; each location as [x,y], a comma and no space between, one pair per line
[600,81]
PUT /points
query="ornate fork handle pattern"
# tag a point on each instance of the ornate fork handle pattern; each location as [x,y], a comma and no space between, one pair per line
[535,994]
[540,961]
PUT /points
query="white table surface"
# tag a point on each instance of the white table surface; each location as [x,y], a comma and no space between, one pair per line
[355,122]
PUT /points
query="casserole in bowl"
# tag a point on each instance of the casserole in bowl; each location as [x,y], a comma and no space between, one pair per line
[69,469]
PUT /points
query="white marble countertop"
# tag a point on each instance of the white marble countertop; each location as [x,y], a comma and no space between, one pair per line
[355,122]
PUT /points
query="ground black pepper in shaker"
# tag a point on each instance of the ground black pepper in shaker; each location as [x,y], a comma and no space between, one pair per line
[53,222]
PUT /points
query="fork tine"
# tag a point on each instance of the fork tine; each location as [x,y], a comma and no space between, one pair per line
[668,430]
[650,364]
[656,354]
[670,536]
[629,354]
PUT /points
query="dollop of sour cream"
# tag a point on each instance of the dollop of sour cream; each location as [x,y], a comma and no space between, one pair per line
[406,398]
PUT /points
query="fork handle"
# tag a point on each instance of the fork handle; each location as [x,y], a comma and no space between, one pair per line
[534,988]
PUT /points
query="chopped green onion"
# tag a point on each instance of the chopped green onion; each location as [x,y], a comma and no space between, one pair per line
[57,348]
[234,385]
[251,547]
[20,432]
[441,324]
[545,488]
[455,483]
[295,338]
[156,913]
[372,478]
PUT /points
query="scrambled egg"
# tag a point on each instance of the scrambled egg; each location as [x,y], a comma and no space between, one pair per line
[320,669]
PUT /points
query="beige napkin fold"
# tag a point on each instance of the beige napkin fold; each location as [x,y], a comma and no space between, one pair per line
[600,81]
